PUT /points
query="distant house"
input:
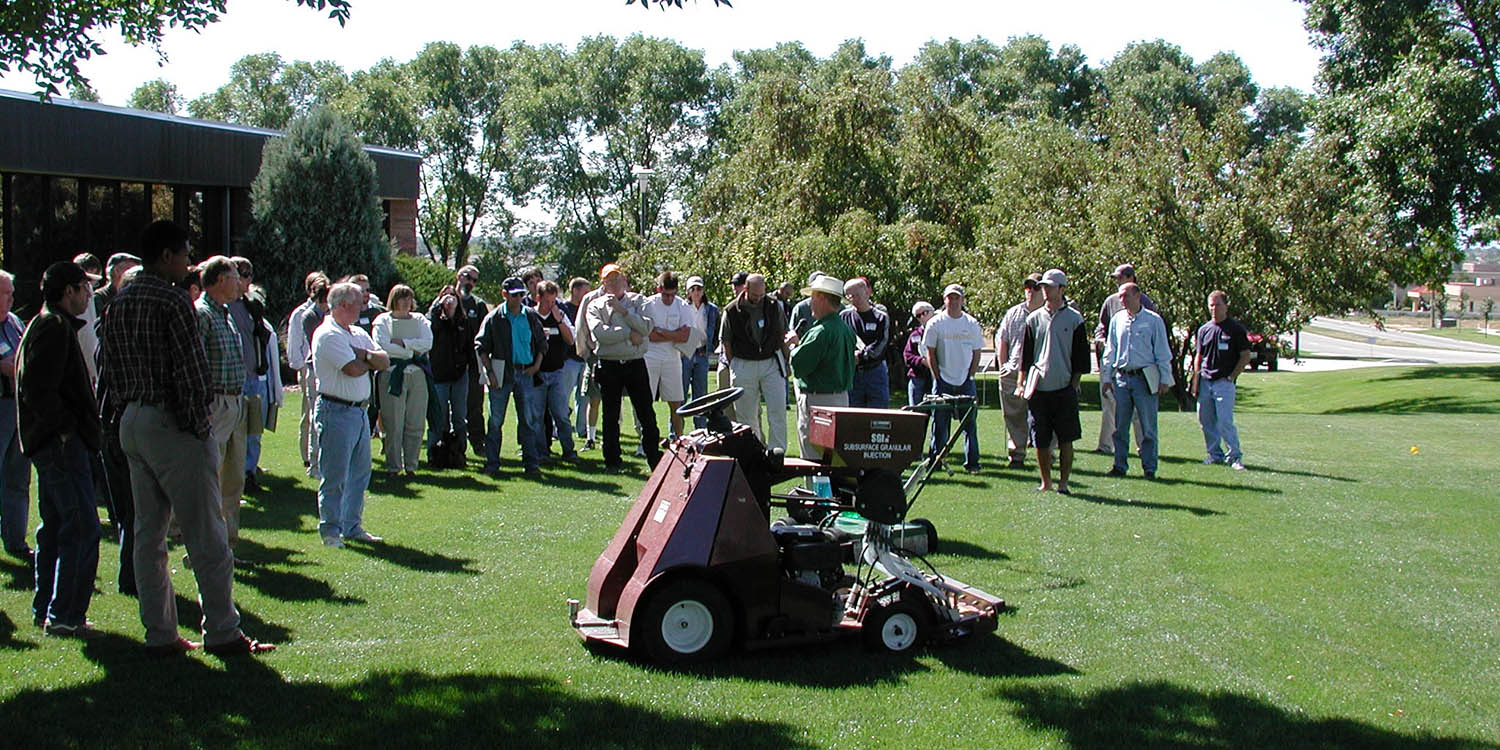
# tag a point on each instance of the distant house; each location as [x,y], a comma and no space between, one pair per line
[79,176]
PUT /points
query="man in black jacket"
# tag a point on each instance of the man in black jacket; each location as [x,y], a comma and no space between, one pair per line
[60,430]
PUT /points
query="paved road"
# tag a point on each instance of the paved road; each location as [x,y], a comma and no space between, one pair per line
[1313,343]
[1416,339]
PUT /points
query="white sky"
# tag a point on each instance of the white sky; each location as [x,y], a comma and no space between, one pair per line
[1267,34]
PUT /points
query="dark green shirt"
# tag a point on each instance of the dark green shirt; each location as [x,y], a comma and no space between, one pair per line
[824,361]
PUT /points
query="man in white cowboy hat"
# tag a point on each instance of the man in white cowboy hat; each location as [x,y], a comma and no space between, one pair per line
[823,357]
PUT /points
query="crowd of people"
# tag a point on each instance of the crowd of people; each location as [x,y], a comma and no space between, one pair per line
[147,384]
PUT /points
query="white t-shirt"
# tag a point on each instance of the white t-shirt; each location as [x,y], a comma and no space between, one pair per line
[333,347]
[668,318]
[956,340]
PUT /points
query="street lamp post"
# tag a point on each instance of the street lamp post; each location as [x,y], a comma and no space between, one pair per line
[643,177]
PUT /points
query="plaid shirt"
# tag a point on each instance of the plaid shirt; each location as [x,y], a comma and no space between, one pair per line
[151,352]
[221,341]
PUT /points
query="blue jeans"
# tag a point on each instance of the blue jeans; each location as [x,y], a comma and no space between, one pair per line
[1133,395]
[451,407]
[67,542]
[256,385]
[528,422]
[15,481]
[344,460]
[872,387]
[917,389]
[572,373]
[942,419]
[1216,417]
[695,382]
[553,392]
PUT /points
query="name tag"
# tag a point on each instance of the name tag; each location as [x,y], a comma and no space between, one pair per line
[871,326]
[550,331]
[1223,345]
[761,323]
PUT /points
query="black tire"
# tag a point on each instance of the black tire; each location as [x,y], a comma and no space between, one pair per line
[896,628]
[930,531]
[686,620]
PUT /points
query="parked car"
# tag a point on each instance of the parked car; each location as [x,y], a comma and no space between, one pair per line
[1263,351]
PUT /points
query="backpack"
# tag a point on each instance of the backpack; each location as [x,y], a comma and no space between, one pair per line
[447,452]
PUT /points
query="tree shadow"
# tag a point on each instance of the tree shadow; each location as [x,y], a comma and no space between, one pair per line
[1161,714]
[1428,405]
[8,638]
[959,548]
[1450,372]
[192,701]
[1101,500]
[1181,460]
[1050,582]
[415,559]
[1227,486]
[260,554]
[994,656]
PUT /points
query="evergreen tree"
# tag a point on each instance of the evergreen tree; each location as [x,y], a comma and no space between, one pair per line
[314,206]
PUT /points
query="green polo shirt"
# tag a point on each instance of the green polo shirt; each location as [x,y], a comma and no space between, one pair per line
[824,361]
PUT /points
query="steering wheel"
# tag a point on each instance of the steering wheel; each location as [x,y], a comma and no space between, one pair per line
[709,403]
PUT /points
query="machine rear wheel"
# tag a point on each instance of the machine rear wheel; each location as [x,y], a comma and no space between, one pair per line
[686,620]
[895,628]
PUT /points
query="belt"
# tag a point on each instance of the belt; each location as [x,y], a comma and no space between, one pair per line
[344,401]
[1136,371]
[228,393]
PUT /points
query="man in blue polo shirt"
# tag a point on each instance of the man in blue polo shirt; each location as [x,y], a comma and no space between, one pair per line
[510,346]
[1222,350]
[1137,368]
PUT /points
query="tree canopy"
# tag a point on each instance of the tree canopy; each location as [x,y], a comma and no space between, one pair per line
[49,38]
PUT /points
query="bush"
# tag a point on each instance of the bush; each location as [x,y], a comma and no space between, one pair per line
[425,277]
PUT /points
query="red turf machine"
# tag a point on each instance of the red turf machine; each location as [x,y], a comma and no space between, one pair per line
[697,566]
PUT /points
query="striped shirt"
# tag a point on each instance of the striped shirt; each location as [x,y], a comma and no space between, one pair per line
[150,351]
[222,344]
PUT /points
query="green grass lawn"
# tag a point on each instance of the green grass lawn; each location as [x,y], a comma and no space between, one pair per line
[1463,334]
[1342,592]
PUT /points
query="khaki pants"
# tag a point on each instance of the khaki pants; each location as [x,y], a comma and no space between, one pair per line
[1107,423]
[1017,433]
[761,379]
[307,436]
[805,402]
[404,417]
[227,419]
[175,474]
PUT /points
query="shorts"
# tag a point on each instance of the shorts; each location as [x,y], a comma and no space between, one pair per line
[1053,413]
[666,379]
[589,380]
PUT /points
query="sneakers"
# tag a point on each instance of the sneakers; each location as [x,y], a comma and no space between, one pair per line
[1237,466]
[1149,475]
[332,541]
[1115,472]
[364,536]
[84,630]
[589,445]
[533,471]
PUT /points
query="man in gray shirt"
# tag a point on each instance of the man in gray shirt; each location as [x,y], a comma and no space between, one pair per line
[1054,358]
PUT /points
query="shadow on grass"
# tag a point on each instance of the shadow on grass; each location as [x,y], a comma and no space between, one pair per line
[959,548]
[416,559]
[287,586]
[8,638]
[843,663]
[1160,714]
[190,616]
[1459,372]
[1180,460]
[199,702]
[1428,405]
[1101,500]
[18,574]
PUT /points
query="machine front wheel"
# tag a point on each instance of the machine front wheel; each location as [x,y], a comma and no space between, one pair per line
[895,628]
[686,620]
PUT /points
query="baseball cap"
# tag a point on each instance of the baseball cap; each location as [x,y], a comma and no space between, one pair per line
[469,271]
[695,281]
[921,307]
[1033,281]
[608,269]
[1054,277]
[513,285]
[954,289]
[738,279]
[1124,269]
[814,276]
